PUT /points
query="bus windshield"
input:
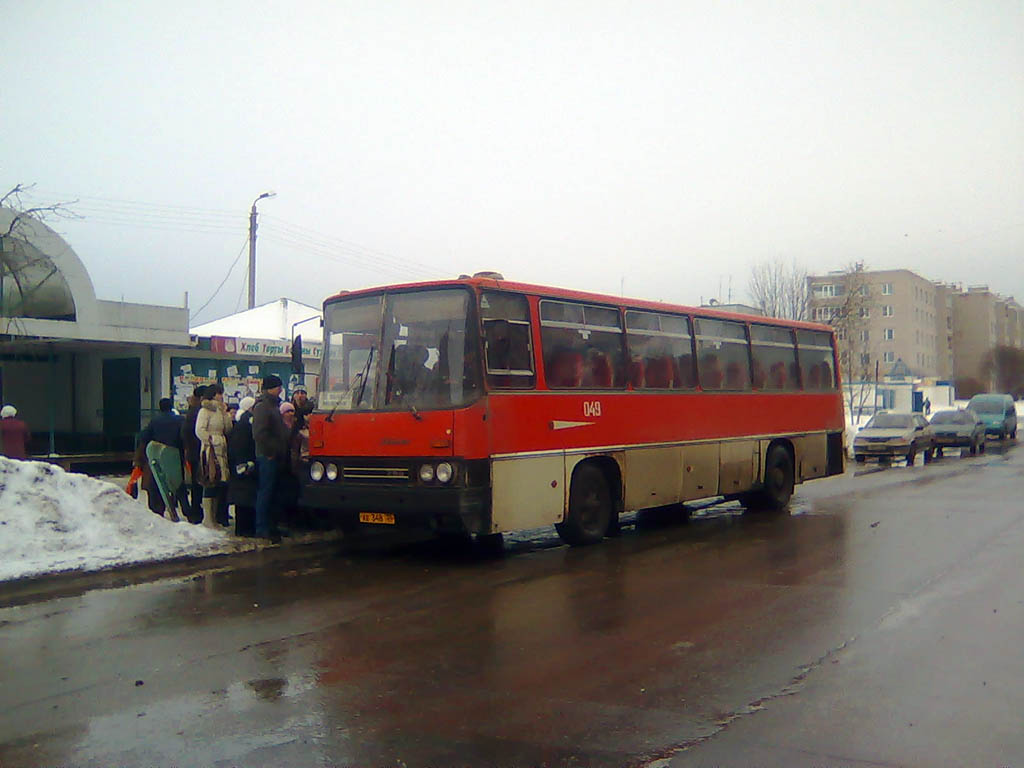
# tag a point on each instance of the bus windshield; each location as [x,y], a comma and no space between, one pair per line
[400,351]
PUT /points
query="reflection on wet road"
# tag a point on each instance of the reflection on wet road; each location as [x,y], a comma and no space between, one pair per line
[619,654]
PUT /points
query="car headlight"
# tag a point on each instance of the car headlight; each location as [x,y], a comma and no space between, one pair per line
[332,471]
[444,472]
[427,473]
[316,471]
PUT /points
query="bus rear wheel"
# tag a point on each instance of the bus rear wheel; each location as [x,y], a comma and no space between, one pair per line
[590,508]
[778,479]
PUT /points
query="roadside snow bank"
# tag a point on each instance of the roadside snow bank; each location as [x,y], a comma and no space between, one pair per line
[53,521]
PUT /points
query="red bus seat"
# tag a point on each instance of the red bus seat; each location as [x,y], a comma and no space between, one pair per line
[600,371]
[734,376]
[566,369]
[711,376]
[659,373]
[636,373]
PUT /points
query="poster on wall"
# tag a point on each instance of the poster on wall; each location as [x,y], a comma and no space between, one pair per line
[188,373]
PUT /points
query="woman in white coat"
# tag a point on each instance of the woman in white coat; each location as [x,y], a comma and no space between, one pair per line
[213,423]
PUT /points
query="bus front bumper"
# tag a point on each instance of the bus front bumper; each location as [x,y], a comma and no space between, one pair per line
[445,510]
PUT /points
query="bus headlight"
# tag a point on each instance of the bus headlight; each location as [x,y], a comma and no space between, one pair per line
[426,473]
[332,472]
[316,471]
[444,472]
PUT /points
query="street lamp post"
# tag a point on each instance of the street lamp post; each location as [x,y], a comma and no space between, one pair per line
[252,248]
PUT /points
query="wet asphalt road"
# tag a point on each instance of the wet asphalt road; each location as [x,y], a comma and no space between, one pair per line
[880,622]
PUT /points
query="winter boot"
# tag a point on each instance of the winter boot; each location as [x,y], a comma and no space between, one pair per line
[210,512]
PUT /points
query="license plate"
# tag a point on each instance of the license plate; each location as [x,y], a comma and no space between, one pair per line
[381,518]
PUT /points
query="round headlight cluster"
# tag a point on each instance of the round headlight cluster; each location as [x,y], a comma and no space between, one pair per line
[317,471]
[443,473]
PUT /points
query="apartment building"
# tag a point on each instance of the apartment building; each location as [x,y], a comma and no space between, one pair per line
[904,317]
[982,321]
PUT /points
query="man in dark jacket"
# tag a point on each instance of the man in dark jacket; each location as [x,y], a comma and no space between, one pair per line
[271,436]
[191,446]
[243,484]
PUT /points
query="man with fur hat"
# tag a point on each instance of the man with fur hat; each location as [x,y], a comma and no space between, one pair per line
[271,437]
[14,435]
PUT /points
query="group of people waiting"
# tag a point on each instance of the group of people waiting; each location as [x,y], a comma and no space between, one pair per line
[246,456]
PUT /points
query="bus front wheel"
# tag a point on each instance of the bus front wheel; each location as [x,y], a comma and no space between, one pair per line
[590,507]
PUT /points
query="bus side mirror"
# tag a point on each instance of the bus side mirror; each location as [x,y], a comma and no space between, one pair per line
[297,365]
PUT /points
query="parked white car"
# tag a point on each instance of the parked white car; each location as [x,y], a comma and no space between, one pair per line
[890,435]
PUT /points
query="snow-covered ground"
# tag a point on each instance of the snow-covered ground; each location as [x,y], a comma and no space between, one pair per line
[53,521]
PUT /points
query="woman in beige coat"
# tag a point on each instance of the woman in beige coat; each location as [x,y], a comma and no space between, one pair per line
[213,423]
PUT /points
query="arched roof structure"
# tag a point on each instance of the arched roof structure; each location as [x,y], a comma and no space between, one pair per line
[41,277]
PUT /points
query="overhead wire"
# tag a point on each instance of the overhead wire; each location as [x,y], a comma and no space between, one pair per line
[230,270]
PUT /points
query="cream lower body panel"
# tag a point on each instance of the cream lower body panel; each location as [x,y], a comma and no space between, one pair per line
[531,490]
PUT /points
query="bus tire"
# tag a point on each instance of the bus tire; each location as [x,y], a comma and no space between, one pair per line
[779,477]
[590,508]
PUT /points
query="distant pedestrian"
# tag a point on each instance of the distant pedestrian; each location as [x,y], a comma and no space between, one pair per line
[271,438]
[213,423]
[191,447]
[164,428]
[242,485]
[927,406]
[14,434]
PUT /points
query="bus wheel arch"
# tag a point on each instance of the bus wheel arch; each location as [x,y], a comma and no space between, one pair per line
[593,504]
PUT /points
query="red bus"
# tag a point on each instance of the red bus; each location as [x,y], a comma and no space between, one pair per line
[481,406]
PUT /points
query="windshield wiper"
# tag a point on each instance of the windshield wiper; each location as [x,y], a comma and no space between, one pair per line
[361,377]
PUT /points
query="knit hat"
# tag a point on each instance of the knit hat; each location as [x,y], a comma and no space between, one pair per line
[245,404]
[269,382]
[8,412]
[287,407]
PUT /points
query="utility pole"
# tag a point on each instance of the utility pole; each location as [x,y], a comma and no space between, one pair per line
[252,248]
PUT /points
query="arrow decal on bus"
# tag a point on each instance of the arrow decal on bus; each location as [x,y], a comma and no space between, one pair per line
[571,424]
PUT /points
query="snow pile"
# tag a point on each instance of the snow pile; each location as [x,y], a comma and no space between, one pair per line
[53,521]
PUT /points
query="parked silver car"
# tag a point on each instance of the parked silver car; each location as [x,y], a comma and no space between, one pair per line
[960,428]
[891,435]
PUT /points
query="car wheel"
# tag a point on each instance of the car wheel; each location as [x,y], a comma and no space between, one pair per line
[911,455]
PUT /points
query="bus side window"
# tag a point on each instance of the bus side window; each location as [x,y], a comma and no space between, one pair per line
[582,345]
[724,360]
[508,344]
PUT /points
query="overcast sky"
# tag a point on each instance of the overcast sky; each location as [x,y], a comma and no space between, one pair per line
[655,147]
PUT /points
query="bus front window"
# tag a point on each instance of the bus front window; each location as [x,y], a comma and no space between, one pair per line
[403,351]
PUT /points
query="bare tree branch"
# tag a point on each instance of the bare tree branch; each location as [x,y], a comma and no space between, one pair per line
[779,290]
